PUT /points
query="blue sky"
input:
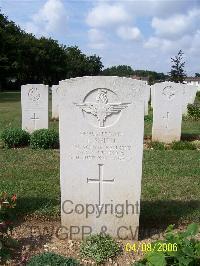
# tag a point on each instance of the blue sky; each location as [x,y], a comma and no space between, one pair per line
[144,34]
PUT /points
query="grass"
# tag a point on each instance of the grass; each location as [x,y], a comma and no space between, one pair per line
[170,184]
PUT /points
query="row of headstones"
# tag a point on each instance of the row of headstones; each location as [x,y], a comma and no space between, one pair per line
[168,100]
[101,129]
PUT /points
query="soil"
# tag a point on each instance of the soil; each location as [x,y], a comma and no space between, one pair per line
[36,236]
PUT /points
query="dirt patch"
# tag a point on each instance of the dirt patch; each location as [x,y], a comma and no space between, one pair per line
[36,236]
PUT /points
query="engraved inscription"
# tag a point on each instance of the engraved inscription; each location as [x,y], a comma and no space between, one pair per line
[102,145]
[34,94]
[169,92]
[102,108]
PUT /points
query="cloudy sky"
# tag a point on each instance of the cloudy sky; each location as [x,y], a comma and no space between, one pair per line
[143,34]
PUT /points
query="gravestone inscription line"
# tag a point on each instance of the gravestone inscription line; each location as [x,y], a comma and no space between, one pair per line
[100,182]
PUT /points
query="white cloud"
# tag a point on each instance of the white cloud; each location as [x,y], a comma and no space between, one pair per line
[164,8]
[97,39]
[195,44]
[104,15]
[179,31]
[177,25]
[156,42]
[129,33]
[50,19]
[170,46]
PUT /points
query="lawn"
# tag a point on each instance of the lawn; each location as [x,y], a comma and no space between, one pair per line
[170,184]
[10,115]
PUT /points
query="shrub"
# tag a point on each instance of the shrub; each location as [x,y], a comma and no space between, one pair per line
[183,145]
[99,248]
[51,259]
[185,249]
[44,139]
[15,137]
[194,111]
[155,145]
[7,203]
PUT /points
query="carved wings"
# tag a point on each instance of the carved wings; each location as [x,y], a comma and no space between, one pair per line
[114,108]
[88,108]
[102,111]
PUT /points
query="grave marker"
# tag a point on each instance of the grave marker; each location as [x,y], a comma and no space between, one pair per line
[101,146]
[34,103]
[167,111]
[55,101]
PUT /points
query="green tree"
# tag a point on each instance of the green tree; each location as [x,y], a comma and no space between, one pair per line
[197,75]
[121,71]
[27,59]
[177,73]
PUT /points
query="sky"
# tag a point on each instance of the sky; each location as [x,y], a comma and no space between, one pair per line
[144,34]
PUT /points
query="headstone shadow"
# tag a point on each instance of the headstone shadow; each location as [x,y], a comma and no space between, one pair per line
[155,216]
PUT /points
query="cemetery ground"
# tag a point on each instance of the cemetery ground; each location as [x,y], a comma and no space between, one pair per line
[170,187]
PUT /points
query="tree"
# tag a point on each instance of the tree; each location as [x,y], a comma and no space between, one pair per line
[197,75]
[177,73]
[27,59]
[121,71]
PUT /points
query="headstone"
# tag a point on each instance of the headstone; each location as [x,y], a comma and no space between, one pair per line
[147,98]
[34,103]
[55,101]
[189,94]
[152,95]
[101,147]
[167,112]
[193,91]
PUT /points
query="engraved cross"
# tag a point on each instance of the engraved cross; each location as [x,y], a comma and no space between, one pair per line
[34,118]
[166,119]
[100,182]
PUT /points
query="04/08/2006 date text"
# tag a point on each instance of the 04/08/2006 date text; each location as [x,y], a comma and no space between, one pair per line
[148,247]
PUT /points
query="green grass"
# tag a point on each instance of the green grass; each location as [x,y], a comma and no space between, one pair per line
[35,180]
[170,184]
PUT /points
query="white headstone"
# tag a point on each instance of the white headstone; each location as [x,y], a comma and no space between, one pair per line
[55,101]
[189,94]
[192,91]
[34,103]
[167,112]
[147,98]
[152,95]
[101,146]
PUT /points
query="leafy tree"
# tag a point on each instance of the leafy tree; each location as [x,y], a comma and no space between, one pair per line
[121,71]
[177,73]
[27,59]
[95,64]
[127,71]
[197,75]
